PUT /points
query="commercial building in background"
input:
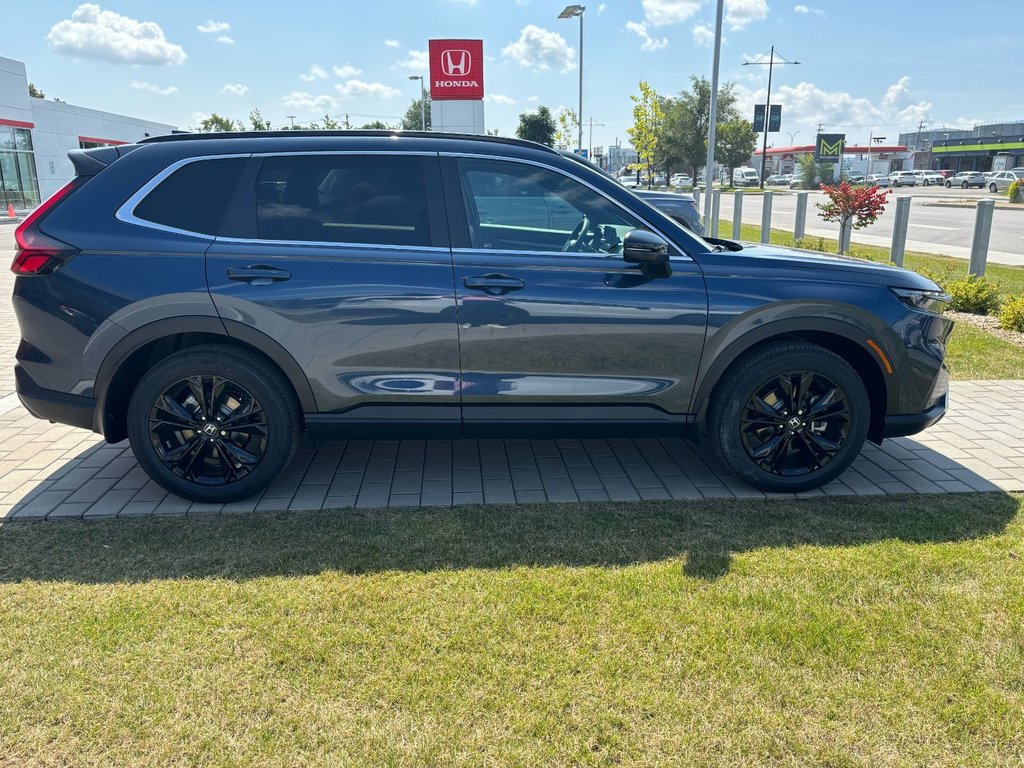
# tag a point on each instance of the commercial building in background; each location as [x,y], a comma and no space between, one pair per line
[618,157]
[988,147]
[37,134]
[881,158]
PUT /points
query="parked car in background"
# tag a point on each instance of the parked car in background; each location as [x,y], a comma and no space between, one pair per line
[745,177]
[680,180]
[902,179]
[966,179]
[876,180]
[854,178]
[1001,181]
[211,297]
[928,178]
[946,173]
[776,180]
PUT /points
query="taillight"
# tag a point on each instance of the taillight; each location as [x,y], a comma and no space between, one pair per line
[39,254]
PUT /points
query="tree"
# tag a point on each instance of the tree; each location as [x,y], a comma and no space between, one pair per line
[646,129]
[34,92]
[734,143]
[376,125]
[413,120]
[257,122]
[330,124]
[689,117]
[852,207]
[537,126]
[565,133]
[215,123]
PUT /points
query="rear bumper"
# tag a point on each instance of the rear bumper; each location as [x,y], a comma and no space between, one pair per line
[73,410]
[911,424]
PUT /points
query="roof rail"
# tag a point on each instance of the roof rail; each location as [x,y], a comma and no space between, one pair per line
[307,134]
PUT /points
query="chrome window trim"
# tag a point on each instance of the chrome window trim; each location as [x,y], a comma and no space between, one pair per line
[389,152]
[333,244]
[682,256]
[126,212]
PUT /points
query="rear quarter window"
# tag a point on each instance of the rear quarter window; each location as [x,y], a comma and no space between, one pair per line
[195,197]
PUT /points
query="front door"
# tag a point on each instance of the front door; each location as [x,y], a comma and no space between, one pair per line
[343,260]
[553,325]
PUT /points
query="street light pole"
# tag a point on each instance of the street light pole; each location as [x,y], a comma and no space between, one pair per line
[567,13]
[712,118]
[768,104]
[423,102]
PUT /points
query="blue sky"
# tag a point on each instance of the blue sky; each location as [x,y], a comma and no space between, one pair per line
[866,66]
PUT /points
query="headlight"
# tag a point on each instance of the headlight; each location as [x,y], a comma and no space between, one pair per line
[924,300]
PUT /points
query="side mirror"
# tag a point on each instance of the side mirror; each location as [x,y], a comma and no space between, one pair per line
[643,247]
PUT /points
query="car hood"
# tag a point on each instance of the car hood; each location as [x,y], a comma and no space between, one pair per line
[778,260]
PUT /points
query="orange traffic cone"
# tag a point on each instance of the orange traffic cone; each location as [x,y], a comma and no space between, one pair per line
[10,210]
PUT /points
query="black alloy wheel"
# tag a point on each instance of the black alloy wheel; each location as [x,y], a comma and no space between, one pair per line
[213,423]
[789,416]
[208,430]
[795,423]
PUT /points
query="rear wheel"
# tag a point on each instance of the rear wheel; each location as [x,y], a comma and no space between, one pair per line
[789,416]
[992,188]
[213,423]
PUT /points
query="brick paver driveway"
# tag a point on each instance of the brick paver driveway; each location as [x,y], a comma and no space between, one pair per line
[53,471]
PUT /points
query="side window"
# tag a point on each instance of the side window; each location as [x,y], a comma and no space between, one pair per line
[195,197]
[514,206]
[372,199]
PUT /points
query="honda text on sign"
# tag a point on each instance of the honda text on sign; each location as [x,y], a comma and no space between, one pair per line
[456,69]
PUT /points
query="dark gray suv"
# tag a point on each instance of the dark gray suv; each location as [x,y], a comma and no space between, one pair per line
[211,297]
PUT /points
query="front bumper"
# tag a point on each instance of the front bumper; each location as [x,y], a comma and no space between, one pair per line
[910,424]
[60,407]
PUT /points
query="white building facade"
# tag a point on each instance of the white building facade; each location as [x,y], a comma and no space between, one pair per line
[37,134]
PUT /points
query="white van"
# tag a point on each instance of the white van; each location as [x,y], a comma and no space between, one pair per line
[745,177]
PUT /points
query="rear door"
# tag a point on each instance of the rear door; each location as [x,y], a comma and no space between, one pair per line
[343,259]
[554,325]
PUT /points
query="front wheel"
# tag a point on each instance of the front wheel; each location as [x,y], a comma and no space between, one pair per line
[213,423]
[789,417]
[992,188]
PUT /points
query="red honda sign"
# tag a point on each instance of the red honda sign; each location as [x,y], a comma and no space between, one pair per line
[456,69]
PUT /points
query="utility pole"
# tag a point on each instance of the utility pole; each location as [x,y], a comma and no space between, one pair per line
[592,123]
[709,161]
[568,13]
[348,126]
[768,103]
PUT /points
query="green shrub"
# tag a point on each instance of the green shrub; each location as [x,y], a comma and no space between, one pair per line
[1016,190]
[1011,315]
[973,294]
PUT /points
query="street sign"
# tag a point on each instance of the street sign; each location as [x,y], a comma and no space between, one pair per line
[828,147]
[758,118]
[582,153]
[775,118]
[456,70]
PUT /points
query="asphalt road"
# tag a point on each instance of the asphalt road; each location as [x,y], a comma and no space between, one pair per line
[932,229]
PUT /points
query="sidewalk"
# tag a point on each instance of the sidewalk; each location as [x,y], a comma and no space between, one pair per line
[51,471]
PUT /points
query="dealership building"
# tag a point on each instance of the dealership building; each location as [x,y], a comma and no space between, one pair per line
[36,135]
[988,147]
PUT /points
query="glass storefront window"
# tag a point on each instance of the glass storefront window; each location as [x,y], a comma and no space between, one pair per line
[23,139]
[18,183]
[6,137]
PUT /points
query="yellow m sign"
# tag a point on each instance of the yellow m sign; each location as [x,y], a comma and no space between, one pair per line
[830,147]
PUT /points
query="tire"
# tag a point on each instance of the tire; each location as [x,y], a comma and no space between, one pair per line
[993,188]
[965,185]
[803,463]
[196,462]
[949,185]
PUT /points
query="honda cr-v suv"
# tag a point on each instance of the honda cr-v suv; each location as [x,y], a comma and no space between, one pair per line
[211,297]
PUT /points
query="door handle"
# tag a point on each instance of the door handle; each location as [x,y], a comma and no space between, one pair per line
[258,274]
[493,284]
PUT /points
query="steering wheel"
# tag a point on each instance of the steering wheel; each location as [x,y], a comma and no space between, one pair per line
[578,240]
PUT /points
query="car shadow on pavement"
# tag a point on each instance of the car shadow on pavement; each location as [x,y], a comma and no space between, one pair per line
[703,535]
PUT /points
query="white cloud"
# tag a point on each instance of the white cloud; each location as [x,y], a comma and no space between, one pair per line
[235,89]
[316,72]
[500,98]
[740,13]
[533,98]
[307,102]
[601,7]
[808,9]
[94,33]
[808,104]
[141,85]
[415,61]
[347,70]
[649,43]
[391,43]
[214,26]
[226,40]
[358,88]
[658,13]
[703,34]
[540,49]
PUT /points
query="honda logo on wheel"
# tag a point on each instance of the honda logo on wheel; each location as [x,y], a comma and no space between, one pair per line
[455,63]
[456,69]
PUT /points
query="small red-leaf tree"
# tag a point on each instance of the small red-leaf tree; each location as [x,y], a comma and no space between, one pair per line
[852,207]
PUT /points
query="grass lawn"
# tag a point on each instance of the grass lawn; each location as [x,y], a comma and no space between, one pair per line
[852,632]
[973,353]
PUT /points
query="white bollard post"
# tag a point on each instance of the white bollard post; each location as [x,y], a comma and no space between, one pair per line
[801,216]
[982,230]
[716,200]
[766,217]
[899,230]
[696,198]
[737,214]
